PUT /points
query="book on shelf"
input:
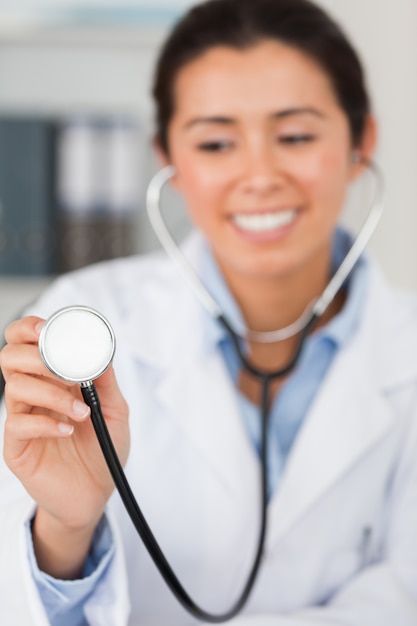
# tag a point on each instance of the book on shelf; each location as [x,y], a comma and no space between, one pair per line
[97,174]
[27,204]
[68,192]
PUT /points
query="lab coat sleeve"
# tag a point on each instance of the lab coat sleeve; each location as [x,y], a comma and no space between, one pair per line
[65,599]
[383,593]
[20,601]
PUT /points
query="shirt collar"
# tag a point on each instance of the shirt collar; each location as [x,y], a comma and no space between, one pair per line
[337,330]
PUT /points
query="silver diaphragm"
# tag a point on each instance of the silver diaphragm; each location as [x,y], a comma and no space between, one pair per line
[77,344]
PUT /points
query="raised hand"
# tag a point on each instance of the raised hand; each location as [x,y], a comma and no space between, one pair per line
[50,445]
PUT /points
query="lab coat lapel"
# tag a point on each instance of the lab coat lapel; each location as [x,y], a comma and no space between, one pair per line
[205,407]
[207,411]
[349,415]
[339,430]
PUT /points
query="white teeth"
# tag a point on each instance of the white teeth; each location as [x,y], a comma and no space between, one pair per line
[264,221]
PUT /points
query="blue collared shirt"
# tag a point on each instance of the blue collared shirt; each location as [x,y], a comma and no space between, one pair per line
[64,600]
[297,392]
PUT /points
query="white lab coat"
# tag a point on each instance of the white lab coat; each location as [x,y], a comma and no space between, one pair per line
[341,546]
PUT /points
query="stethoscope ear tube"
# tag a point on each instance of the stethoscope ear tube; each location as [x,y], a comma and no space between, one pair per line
[358,246]
[168,243]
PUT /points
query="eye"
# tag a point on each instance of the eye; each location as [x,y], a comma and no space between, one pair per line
[214,146]
[296,139]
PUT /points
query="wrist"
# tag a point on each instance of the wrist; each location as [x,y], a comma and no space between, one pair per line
[61,551]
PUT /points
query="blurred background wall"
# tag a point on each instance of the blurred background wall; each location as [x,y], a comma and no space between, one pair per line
[90,62]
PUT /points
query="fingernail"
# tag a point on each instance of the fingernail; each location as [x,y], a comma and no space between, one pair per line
[38,327]
[80,409]
[65,428]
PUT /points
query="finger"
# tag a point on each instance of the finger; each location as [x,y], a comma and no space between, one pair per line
[22,428]
[24,392]
[25,330]
[22,358]
[107,381]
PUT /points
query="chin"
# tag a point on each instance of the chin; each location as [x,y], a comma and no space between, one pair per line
[260,269]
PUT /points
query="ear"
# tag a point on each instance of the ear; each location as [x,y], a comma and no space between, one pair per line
[161,154]
[363,153]
[164,160]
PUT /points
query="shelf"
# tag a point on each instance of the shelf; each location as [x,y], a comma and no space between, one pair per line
[16,292]
[94,26]
[91,36]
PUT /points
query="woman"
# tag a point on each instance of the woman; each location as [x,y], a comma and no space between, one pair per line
[262,110]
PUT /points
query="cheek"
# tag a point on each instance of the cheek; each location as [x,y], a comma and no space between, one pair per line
[203,189]
[324,178]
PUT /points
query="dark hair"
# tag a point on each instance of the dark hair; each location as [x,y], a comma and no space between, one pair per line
[241,24]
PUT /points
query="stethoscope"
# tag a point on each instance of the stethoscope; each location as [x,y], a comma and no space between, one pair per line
[77,344]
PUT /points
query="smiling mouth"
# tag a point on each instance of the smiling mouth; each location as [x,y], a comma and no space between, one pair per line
[264,222]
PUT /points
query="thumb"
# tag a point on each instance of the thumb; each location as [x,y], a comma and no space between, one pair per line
[111,397]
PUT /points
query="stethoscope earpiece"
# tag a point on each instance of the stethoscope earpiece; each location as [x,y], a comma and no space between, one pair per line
[77,344]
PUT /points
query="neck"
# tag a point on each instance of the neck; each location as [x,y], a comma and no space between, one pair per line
[272,302]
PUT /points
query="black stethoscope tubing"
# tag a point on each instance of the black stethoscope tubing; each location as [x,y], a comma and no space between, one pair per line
[138,519]
[265,377]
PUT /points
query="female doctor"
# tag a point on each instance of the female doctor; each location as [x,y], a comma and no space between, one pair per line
[262,111]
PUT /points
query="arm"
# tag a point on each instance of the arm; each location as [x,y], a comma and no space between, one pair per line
[50,446]
[64,600]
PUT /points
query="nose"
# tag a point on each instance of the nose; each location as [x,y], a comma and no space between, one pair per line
[261,174]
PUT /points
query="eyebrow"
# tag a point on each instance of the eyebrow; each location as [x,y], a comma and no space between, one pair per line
[226,121]
[298,111]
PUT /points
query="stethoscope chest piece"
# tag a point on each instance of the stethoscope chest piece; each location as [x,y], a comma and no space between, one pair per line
[77,344]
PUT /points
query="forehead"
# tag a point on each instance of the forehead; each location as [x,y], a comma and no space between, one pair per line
[266,76]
